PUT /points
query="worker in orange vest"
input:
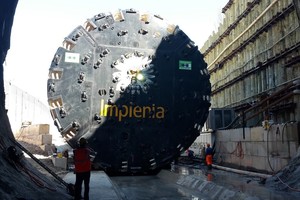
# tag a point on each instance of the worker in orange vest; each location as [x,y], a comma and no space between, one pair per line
[208,156]
[83,165]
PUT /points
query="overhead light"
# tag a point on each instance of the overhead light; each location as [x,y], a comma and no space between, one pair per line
[140,77]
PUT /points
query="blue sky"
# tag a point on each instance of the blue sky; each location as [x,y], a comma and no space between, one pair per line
[41,26]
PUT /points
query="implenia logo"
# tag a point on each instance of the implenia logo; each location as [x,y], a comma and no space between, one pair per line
[124,111]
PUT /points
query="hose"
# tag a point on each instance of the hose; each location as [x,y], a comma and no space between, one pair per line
[242,172]
[34,178]
[238,151]
[268,156]
[284,125]
[288,186]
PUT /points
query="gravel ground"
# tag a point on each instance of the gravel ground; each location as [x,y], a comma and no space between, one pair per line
[45,159]
[48,162]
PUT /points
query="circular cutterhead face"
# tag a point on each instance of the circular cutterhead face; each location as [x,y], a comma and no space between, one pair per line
[134,85]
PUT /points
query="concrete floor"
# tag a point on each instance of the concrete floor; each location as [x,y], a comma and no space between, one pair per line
[219,184]
[181,183]
[101,187]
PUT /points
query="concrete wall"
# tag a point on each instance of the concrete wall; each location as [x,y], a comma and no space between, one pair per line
[23,108]
[35,134]
[258,149]
[201,141]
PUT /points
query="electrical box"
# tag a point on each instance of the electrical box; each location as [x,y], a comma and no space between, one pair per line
[219,118]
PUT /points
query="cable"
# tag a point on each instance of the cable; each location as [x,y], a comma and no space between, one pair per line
[285,124]
[231,123]
[268,156]
[263,92]
[34,178]
[238,151]
[291,188]
[22,129]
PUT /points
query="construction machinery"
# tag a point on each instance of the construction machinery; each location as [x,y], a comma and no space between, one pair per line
[135,86]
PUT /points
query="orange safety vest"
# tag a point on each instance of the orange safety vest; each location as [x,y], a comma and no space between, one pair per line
[82,160]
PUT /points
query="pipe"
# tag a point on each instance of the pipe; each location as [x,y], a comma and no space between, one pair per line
[238,37]
[242,171]
[271,96]
[69,186]
[270,105]
[263,92]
